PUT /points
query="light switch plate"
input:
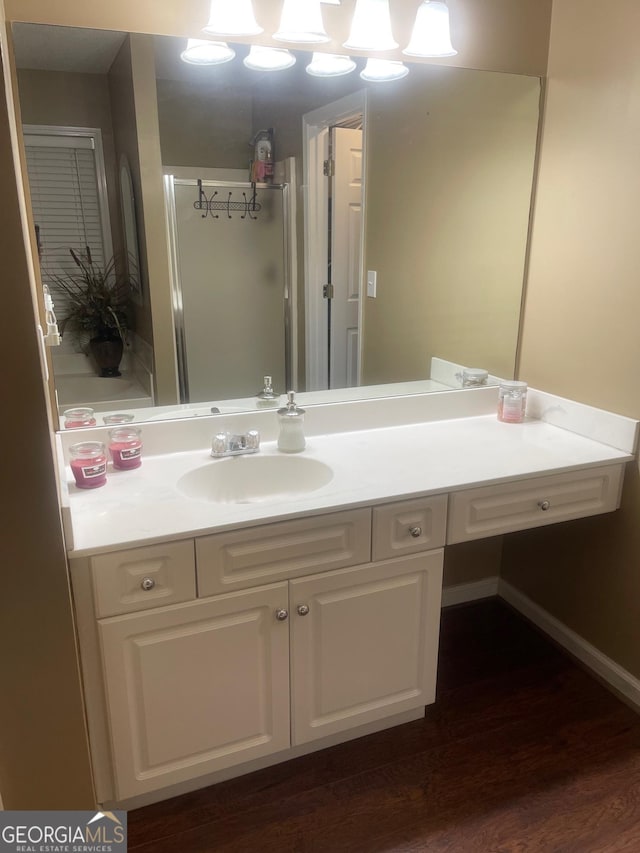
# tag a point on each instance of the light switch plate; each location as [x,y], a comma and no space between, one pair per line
[372,283]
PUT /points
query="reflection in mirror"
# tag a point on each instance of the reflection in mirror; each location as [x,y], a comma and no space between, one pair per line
[131,254]
[436,219]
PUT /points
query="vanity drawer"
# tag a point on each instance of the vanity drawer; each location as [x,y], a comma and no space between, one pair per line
[287,549]
[141,578]
[406,527]
[493,510]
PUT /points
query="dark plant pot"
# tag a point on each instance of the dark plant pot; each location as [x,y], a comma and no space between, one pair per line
[107,353]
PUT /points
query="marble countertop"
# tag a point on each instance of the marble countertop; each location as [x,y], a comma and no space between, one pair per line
[370,466]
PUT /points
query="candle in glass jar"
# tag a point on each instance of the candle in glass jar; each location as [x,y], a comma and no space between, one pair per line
[80,417]
[89,464]
[117,418]
[125,447]
[512,401]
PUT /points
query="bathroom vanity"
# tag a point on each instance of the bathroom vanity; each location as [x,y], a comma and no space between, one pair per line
[297,605]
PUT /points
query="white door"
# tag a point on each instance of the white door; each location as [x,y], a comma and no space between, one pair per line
[196,687]
[346,257]
[367,648]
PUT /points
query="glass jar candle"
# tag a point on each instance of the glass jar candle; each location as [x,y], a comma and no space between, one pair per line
[474,377]
[80,417]
[89,464]
[512,401]
[118,418]
[125,447]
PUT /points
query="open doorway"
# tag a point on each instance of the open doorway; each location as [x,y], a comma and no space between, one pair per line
[334,170]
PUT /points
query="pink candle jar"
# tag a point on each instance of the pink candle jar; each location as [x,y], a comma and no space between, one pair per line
[123,418]
[125,447]
[89,464]
[80,417]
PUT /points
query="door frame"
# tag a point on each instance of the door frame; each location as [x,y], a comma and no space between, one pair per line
[315,132]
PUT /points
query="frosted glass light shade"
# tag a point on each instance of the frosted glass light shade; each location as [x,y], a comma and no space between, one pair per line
[301,21]
[330,65]
[371,27]
[203,52]
[431,34]
[383,70]
[269,59]
[232,18]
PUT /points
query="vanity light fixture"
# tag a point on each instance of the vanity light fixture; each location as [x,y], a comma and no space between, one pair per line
[431,34]
[371,27]
[232,18]
[203,52]
[269,58]
[383,70]
[301,21]
[330,65]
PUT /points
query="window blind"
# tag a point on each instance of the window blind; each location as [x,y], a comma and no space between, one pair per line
[66,204]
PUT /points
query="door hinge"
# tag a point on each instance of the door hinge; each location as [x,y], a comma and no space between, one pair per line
[329,168]
[327,291]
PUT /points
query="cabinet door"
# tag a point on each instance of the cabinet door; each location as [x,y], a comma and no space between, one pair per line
[367,647]
[196,687]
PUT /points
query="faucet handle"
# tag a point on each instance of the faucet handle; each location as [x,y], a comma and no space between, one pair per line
[252,439]
[231,444]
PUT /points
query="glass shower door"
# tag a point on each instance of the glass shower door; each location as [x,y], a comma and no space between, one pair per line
[230,289]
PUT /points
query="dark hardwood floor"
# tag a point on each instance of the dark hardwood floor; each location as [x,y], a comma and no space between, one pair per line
[523,751]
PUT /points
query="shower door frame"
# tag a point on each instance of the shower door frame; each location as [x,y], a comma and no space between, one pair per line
[288,290]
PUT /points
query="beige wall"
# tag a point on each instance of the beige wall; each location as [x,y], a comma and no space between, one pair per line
[501,35]
[583,306]
[450,172]
[203,125]
[152,216]
[44,760]
[125,135]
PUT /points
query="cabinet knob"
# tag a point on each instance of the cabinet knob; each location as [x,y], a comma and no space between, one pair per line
[147,584]
[282,615]
[303,609]
[415,532]
[544,505]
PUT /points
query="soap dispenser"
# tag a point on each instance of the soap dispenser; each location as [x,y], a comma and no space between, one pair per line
[291,437]
[267,397]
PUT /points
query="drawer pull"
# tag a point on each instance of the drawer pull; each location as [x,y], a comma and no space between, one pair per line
[303,610]
[415,532]
[147,584]
[282,615]
[544,505]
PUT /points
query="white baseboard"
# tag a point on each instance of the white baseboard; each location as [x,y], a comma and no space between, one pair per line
[486,588]
[620,680]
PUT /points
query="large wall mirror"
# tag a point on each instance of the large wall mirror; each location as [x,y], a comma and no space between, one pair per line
[420,227]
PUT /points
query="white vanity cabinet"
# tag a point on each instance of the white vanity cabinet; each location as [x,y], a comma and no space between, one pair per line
[197,687]
[194,688]
[364,644]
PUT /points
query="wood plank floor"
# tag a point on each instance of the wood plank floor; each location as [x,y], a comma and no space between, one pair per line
[523,751]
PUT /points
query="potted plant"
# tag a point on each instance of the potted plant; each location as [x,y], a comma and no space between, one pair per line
[98,305]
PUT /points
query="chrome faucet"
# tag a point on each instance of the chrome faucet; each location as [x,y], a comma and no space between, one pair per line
[232,444]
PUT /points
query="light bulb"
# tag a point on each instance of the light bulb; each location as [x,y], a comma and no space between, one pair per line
[232,18]
[269,59]
[330,65]
[203,52]
[371,27]
[383,70]
[301,21]
[431,34]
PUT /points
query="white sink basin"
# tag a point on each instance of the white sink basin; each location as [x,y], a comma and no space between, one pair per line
[251,479]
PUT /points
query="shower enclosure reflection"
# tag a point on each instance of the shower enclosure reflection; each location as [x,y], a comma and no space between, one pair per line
[230,259]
